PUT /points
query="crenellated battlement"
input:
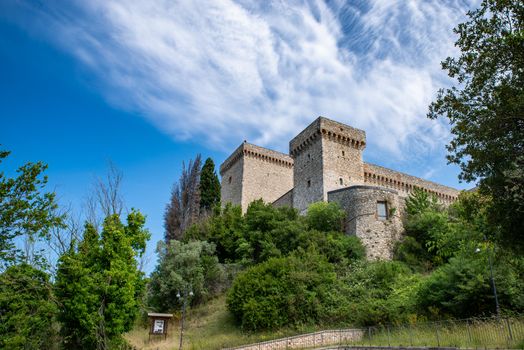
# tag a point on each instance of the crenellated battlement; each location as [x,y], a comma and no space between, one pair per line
[377,175]
[330,130]
[264,154]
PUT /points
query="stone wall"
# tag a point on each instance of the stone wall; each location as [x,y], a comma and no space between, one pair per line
[262,174]
[404,183]
[307,174]
[317,339]
[232,172]
[328,156]
[360,204]
[343,165]
[285,201]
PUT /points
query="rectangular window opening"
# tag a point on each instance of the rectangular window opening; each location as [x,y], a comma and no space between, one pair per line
[308,183]
[382,210]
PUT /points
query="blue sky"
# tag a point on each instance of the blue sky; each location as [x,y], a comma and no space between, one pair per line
[149,84]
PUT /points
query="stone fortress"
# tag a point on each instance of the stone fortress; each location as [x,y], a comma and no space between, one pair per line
[325,164]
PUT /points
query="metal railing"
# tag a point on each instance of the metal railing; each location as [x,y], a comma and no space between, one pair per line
[472,333]
[504,332]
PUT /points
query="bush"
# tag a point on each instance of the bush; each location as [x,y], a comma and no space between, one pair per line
[183,267]
[380,292]
[325,217]
[337,247]
[284,291]
[27,309]
[462,288]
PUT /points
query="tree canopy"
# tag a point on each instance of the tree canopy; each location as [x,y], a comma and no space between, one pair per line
[98,284]
[25,208]
[486,108]
[183,209]
[209,186]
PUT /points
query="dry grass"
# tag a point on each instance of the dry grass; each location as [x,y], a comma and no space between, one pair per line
[209,327]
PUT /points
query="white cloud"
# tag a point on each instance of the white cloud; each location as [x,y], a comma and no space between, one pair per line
[225,71]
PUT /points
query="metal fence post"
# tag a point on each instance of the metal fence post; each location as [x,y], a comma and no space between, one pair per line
[389,341]
[469,333]
[509,329]
[436,332]
[411,334]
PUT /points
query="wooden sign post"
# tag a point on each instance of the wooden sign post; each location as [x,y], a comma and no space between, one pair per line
[158,324]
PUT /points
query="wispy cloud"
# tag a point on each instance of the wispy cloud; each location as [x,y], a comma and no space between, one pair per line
[224,70]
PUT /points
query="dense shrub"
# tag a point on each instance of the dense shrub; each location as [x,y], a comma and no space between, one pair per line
[27,309]
[184,267]
[287,291]
[265,232]
[337,247]
[323,216]
[380,292]
[462,288]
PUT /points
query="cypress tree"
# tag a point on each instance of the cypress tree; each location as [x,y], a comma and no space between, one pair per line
[209,186]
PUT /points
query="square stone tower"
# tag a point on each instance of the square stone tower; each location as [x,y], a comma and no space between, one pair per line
[253,172]
[327,156]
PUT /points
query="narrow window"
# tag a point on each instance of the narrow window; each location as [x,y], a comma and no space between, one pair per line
[308,156]
[229,180]
[382,210]
[308,183]
[343,153]
[341,181]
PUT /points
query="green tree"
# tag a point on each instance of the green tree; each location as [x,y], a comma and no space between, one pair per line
[419,201]
[98,284]
[209,186]
[27,309]
[462,288]
[486,109]
[379,292]
[325,217]
[291,291]
[184,267]
[25,208]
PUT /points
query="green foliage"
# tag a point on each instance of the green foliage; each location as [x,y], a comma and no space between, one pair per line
[419,201]
[25,209]
[209,186]
[325,217]
[265,232]
[337,247]
[434,234]
[225,230]
[285,291]
[27,309]
[486,110]
[98,284]
[380,292]
[184,267]
[426,226]
[462,288]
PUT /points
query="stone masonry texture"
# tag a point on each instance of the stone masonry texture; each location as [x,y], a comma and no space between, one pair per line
[325,164]
[253,172]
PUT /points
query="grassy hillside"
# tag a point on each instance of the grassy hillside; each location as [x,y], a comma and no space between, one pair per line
[209,326]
